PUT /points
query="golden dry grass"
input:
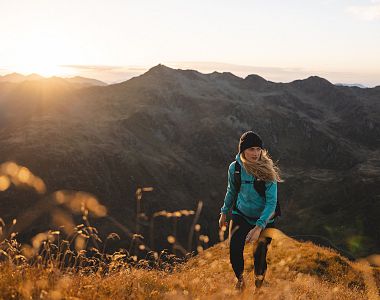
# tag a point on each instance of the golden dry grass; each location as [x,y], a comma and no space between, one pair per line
[297,270]
[54,267]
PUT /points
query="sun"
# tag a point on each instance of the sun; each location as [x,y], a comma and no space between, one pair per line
[42,56]
[43,69]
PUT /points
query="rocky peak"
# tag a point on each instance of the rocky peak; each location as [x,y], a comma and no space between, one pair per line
[225,76]
[160,69]
[313,84]
[315,81]
[254,81]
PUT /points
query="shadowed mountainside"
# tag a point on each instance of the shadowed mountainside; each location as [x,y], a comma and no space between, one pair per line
[177,130]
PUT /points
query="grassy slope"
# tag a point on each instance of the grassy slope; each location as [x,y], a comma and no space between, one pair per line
[296,271]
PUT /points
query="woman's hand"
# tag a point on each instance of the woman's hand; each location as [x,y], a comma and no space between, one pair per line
[253,235]
[222,221]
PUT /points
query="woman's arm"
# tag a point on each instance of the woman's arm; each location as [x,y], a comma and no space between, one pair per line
[270,204]
[231,190]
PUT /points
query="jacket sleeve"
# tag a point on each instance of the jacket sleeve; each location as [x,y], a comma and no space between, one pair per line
[270,204]
[231,191]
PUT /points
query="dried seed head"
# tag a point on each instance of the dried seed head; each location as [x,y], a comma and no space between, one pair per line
[204,238]
[160,213]
[59,197]
[10,168]
[143,216]
[39,185]
[19,175]
[139,194]
[135,236]
[4,183]
[80,242]
[171,239]
[177,214]
[113,236]
[24,175]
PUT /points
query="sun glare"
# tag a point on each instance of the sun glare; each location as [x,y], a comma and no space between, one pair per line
[45,70]
[43,58]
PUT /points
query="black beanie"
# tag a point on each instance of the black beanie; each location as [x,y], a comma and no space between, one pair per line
[249,139]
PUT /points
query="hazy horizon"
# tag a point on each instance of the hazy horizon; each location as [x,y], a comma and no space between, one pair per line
[113,74]
[114,41]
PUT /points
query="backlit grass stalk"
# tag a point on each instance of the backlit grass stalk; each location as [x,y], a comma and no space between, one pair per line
[151,226]
[191,233]
[138,195]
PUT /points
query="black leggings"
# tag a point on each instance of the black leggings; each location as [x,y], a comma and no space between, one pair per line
[237,244]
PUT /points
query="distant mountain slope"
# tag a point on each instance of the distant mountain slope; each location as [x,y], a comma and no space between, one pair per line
[18,78]
[177,130]
[352,85]
[85,81]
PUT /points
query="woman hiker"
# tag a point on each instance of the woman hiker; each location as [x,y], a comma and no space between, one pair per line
[252,195]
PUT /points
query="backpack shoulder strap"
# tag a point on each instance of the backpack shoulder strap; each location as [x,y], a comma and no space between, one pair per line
[237,176]
[237,181]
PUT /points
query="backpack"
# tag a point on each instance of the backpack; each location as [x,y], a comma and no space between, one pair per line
[259,186]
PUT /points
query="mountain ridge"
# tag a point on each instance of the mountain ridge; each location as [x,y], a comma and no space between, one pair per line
[19,78]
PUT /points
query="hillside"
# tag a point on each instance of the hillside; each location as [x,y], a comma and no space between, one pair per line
[177,131]
[296,271]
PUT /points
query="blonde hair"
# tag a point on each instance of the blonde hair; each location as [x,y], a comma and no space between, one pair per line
[263,168]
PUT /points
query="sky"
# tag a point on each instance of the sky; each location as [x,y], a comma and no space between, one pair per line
[115,40]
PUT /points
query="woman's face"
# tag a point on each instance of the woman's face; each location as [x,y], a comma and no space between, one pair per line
[252,154]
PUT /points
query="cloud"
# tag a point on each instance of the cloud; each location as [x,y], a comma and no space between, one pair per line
[103,68]
[369,12]
[109,74]
[90,67]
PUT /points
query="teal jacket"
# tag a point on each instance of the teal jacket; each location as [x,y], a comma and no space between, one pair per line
[249,202]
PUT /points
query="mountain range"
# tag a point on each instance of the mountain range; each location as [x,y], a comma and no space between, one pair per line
[79,80]
[178,130]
